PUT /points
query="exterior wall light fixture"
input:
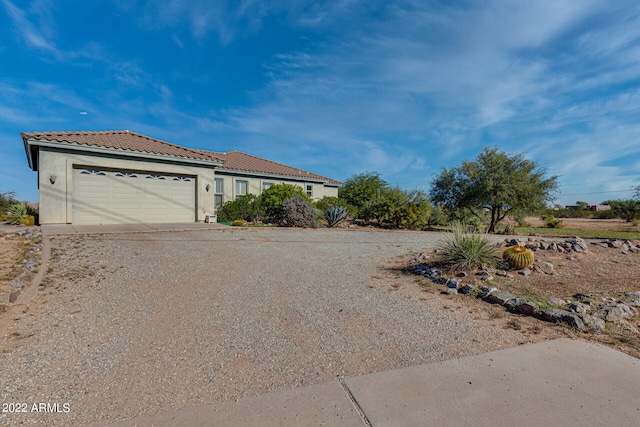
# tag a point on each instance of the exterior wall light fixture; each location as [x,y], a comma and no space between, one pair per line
[52,178]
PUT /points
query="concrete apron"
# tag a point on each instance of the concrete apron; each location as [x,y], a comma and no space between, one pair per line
[53,229]
[561,382]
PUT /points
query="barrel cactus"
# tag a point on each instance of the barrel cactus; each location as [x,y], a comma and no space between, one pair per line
[518,257]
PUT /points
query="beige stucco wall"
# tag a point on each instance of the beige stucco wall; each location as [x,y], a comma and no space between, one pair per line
[255,185]
[56,200]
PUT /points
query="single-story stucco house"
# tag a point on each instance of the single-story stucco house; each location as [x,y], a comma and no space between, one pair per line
[118,177]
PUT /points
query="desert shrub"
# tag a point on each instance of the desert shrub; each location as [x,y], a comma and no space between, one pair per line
[463,250]
[334,214]
[273,199]
[238,223]
[438,216]
[6,201]
[29,220]
[17,213]
[552,222]
[297,212]
[625,209]
[246,207]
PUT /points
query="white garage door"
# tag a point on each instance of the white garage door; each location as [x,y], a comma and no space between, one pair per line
[103,196]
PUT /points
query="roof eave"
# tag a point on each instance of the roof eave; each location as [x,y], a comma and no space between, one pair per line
[277,175]
[104,150]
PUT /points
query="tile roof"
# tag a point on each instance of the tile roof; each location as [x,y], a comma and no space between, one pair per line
[121,140]
[237,160]
[131,141]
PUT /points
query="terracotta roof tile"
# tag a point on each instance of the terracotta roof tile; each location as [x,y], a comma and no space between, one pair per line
[131,141]
[121,140]
[237,160]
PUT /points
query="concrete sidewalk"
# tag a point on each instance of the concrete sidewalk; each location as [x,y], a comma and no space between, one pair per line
[52,229]
[562,382]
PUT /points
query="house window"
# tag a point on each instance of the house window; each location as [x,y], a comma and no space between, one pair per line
[266,185]
[218,192]
[241,188]
[309,188]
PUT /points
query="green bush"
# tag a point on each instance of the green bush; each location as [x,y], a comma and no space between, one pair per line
[463,250]
[6,201]
[298,212]
[327,201]
[273,198]
[552,222]
[247,208]
[17,213]
[238,223]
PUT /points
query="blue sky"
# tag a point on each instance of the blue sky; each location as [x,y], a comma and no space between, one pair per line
[341,87]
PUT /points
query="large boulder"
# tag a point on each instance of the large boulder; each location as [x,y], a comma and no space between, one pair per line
[558,315]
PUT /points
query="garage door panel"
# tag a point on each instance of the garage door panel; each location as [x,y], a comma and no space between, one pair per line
[115,197]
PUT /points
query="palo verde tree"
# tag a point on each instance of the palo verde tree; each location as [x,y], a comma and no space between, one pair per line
[495,182]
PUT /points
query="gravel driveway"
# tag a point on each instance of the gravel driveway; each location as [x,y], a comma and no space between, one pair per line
[138,324]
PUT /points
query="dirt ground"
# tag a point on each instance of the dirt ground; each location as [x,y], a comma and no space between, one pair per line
[12,252]
[589,224]
[601,274]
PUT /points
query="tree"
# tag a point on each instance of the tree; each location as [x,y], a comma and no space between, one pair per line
[628,210]
[636,192]
[495,182]
[582,205]
[363,191]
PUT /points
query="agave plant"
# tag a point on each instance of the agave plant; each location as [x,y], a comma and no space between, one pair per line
[335,214]
[518,257]
[17,212]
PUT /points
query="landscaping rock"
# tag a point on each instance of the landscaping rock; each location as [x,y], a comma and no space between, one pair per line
[453,284]
[557,301]
[467,289]
[526,272]
[546,268]
[613,313]
[579,307]
[595,324]
[452,291]
[528,308]
[558,315]
[486,290]
[514,302]
[499,297]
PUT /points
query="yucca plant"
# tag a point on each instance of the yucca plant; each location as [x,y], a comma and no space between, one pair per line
[17,212]
[464,250]
[518,257]
[335,214]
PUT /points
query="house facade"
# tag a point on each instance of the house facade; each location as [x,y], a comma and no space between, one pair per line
[118,177]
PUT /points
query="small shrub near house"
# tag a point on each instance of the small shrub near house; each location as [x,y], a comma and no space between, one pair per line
[463,250]
[244,208]
[297,212]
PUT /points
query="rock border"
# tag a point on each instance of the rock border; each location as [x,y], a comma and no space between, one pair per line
[581,312]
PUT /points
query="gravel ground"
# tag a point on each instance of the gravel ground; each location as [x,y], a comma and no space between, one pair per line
[139,324]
